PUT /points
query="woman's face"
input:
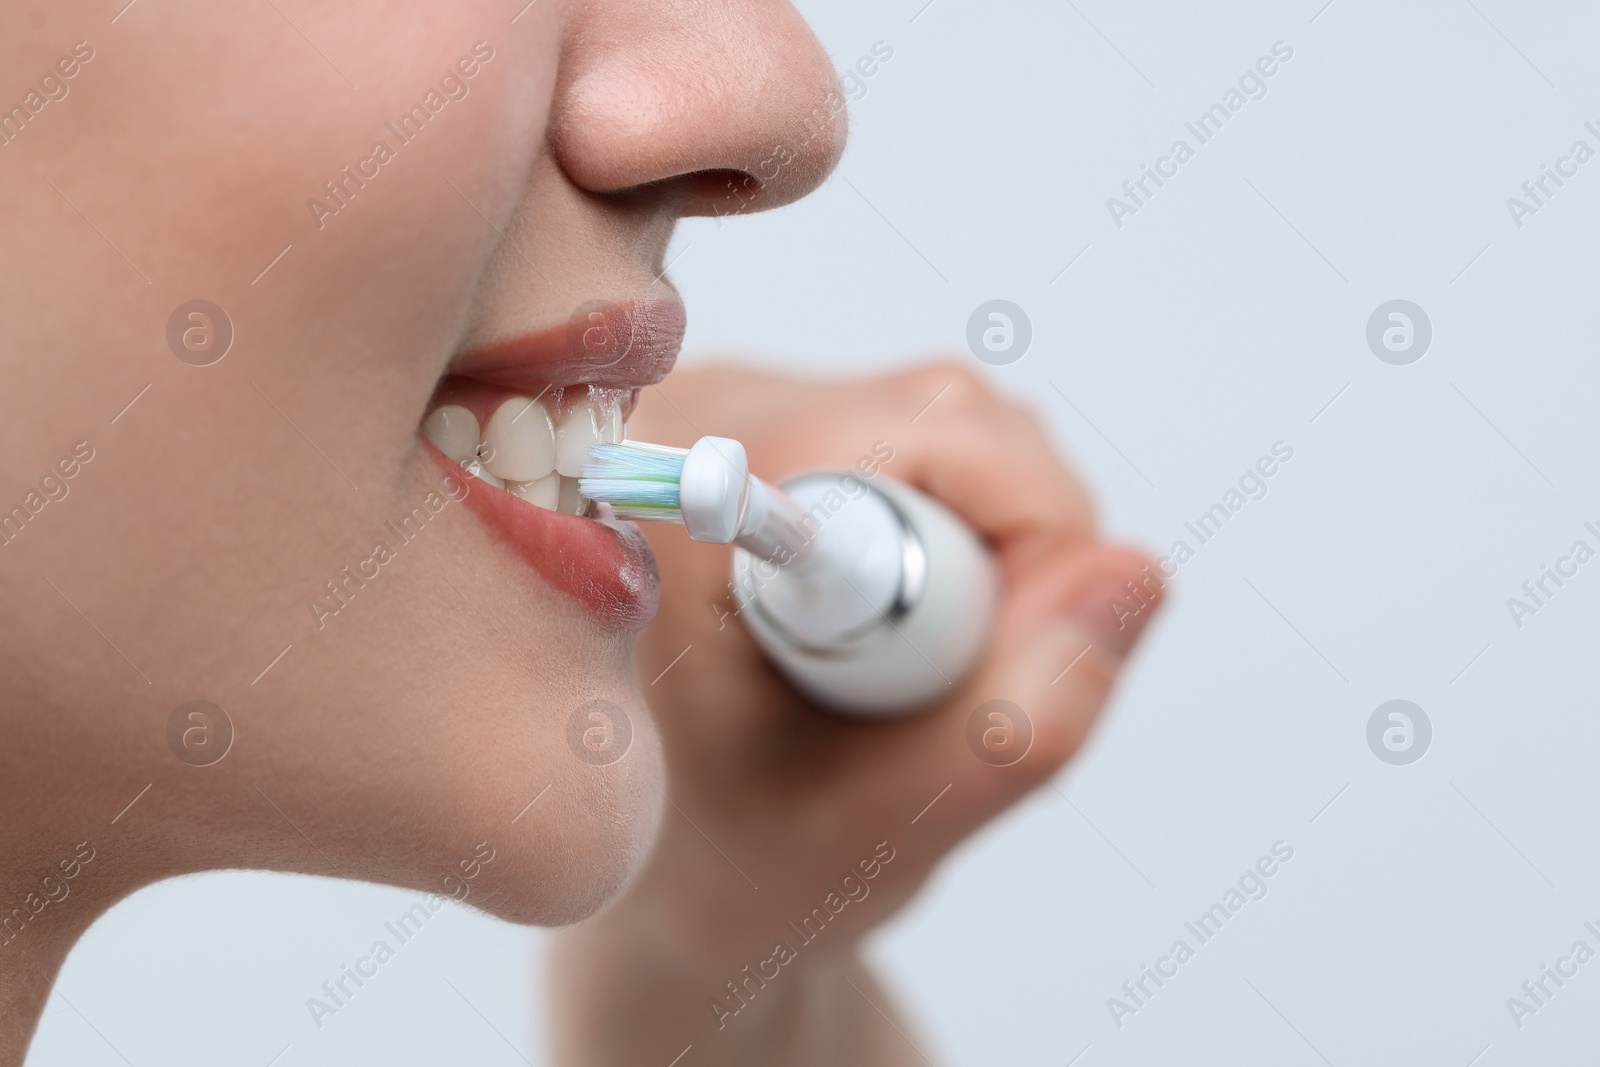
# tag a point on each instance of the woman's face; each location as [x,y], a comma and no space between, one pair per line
[392,211]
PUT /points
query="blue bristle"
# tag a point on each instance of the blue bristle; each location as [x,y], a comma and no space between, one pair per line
[639,481]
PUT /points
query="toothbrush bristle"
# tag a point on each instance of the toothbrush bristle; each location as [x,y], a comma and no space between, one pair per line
[639,481]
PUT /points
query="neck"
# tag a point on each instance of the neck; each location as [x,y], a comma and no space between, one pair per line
[26,977]
[49,895]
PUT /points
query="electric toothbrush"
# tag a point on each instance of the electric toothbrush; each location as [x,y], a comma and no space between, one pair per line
[873,598]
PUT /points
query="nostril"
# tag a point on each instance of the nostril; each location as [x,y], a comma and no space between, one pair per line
[720,192]
[783,172]
[717,108]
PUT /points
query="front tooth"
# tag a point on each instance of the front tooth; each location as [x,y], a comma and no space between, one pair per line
[519,442]
[611,425]
[453,430]
[574,436]
[570,503]
[544,493]
[609,405]
[475,468]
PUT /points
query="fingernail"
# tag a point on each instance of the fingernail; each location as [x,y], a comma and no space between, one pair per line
[1113,613]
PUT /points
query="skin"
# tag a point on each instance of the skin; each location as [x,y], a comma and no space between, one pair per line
[774,800]
[412,728]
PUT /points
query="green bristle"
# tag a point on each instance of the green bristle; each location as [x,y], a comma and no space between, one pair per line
[639,481]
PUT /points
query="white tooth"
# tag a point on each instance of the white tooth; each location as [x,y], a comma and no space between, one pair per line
[608,405]
[611,425]
[570,503]
[475,468]
[544,493]
[574,436]
[519,442]
[453,430]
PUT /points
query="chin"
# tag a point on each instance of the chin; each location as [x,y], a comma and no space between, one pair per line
[578,847]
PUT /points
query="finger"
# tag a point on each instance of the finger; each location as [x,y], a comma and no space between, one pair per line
[1009,484]
[950,434]
[1059,644]
[991,456]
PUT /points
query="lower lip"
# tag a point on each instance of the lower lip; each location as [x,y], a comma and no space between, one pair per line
[606,567]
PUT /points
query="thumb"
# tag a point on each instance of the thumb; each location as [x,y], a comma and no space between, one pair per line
[1058,646]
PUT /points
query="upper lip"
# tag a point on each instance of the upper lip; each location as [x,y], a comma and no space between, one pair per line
[619,344]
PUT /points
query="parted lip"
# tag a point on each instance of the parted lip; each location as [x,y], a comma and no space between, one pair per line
[619,344]
[607,567]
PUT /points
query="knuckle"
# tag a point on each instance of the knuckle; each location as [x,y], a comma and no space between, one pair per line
[1059,732]
[1024,416]
[953,381]
[966,383]
[1054,742]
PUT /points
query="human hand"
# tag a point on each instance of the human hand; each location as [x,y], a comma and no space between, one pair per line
[775,801]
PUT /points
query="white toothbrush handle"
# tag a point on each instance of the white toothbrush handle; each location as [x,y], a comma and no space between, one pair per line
[889,607]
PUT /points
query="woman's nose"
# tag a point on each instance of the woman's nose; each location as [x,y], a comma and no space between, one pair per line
[718,106]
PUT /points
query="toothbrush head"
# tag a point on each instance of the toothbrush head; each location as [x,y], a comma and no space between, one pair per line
[640,481]
[708,487]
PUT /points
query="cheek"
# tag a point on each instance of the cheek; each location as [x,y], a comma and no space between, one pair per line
[433,705]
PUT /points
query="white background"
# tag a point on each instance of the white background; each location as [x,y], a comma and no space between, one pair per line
[1224,316]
